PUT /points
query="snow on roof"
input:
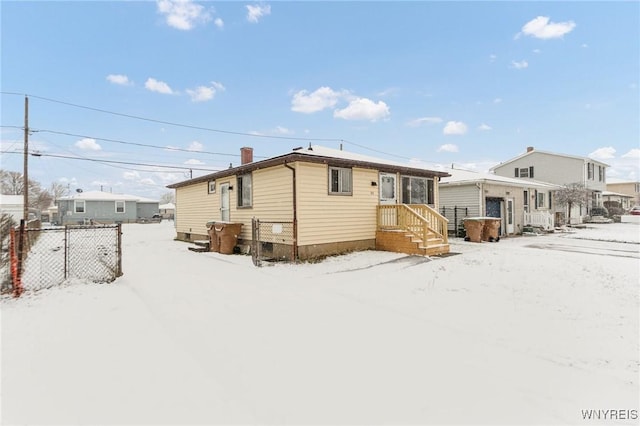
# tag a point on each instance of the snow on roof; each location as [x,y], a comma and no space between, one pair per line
[467,176]
[167,206]
[323,151]
[616,194]
[616,180]
[106,196]
[11,199]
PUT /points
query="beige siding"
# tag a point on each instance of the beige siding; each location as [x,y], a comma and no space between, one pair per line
[194,208]
[324,218]
[272,199]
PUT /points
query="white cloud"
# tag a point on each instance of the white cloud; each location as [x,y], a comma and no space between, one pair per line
[158,86]
[584,45]
[363,109]
[195,146]
[256,12]
[424,120]
[147,181]
[484,127]
[120,79]
[448,148]
[497,100]
[603,153]
[205,93]
[633,153]
[219,23]
[283,131]
[322,98]
[542,28]
[455,128]
[183,14]
[537,51]
[492,58]
[133,175]
[519,65]
[193,162]
[88,144]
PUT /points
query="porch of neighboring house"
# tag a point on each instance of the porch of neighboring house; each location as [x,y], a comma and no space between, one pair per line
[411,229]
[540,219]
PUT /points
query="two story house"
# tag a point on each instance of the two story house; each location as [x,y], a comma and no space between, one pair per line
[628,188]
[560,169]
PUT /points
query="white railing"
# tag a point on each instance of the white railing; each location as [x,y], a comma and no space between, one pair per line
[543,219]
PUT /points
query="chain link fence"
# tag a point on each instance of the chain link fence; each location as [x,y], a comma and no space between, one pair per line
[51,256]
[272,241]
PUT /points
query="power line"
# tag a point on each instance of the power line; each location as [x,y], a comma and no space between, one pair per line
[165,148]
[169,123]
[39,154]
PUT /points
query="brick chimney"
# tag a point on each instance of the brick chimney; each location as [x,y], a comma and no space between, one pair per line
[246,155]
[529,148]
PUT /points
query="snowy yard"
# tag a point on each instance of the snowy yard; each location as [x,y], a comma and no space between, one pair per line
[530,330]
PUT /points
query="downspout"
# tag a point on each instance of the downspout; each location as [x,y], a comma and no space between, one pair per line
[295,212]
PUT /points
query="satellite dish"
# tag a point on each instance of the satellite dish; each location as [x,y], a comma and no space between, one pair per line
[79,190]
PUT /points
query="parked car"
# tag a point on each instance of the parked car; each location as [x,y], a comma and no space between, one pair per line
[635,210]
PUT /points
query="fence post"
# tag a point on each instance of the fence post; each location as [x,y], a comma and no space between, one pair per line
[119,272]
[16,274]
[66,251]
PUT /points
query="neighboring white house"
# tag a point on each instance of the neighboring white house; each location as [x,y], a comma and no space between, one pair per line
[624,201]
[560,169]
[12,205]
[517,202]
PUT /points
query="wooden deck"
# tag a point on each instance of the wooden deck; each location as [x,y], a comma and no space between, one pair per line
[411,229]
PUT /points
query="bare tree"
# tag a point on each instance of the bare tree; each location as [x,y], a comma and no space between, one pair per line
[168,197]
[572,194]
[58,190]
[11,183]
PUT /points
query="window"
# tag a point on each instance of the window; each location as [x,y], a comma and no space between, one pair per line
[590,171]
[637,187]
[119,206]
[601,173]
[550,199]
[417,190]
[244,190]
[212,187]
[79,206]
[340,181]
[541,196]
[524,172]
[526,201]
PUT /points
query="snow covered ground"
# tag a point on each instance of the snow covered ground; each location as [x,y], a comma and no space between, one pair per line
[530,330]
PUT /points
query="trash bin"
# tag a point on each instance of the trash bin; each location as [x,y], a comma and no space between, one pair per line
[491,229]
[214,239]
[473,227]
[227,234]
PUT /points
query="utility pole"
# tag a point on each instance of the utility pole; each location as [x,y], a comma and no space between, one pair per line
[25,175]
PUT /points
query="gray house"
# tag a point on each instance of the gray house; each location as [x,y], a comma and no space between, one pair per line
[560,169]
[104,207]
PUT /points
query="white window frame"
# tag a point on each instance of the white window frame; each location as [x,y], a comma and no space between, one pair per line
[212,187]
[78,203]
[123,206]
[541,199]
[344,180]
[523,172]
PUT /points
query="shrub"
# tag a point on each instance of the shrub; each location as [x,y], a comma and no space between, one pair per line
[599,211]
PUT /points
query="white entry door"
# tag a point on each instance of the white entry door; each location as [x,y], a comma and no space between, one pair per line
[388,189]
[224,202]
[510,216]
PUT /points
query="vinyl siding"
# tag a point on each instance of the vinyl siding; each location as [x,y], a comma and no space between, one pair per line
[195,207]
[324,218]
[272,200]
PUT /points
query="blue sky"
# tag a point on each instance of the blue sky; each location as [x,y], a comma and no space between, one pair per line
[465,83]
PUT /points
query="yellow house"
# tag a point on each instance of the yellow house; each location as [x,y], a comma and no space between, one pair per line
[336,201]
